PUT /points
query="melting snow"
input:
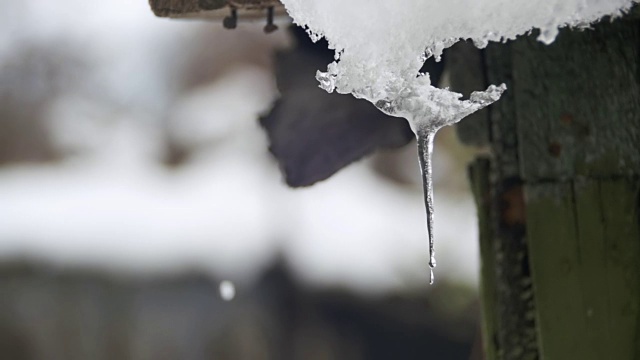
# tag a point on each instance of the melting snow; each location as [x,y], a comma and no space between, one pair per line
[381,45]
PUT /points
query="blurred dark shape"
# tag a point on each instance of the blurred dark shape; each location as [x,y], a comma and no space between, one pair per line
[13,344]
[270,27]
[30,78]
[49,314]
[312,133]
[231,21]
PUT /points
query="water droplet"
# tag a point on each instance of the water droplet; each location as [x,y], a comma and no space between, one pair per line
[227,290]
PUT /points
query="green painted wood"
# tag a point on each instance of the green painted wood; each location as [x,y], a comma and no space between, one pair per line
[551,221]
[621,215]
[568,133]
[592,266]
[585,263]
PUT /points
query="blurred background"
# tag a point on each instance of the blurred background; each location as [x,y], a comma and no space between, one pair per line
[135,177]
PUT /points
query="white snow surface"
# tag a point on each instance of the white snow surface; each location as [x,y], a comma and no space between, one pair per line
[381,44]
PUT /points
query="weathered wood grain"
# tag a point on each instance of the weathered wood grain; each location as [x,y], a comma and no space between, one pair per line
[510,289]
[578,103]
[479,174]
[585,261]
[214,9]
[565,168]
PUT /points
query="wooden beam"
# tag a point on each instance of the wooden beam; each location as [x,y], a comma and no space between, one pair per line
[216,9]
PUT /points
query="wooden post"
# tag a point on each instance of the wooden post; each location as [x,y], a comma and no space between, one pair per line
[559,197]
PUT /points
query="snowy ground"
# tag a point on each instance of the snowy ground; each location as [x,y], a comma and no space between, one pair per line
[113,205]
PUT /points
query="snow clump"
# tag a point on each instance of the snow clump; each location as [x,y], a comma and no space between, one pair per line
[381,44]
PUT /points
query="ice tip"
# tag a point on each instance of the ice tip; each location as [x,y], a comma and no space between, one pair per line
[491,95]
[327,81]
[501,88]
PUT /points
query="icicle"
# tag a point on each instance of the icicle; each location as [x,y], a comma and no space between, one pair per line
[425,154]
[428,109]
